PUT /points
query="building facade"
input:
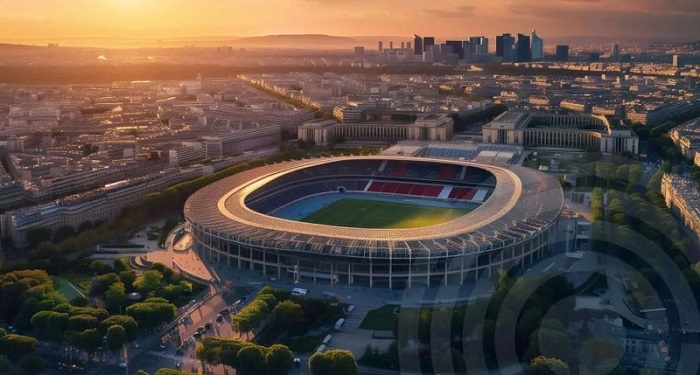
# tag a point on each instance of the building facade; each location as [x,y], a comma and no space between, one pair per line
[540,129]
[426,128]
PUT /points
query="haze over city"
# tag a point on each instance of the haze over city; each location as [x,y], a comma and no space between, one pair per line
[125,22]
[349,187]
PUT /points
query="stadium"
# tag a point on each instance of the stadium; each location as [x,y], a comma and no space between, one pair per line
[377,221]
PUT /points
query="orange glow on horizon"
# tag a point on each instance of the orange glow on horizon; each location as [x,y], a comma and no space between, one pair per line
[43,20]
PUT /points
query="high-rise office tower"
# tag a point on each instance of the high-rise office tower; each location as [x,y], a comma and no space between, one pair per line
[466,51]
[428,43]
[391,45]
[615,52]
[380,46]
[418,45]
[562,53]
[457,47]
[523,51]
[403,45]
[359,53]
[408,45]
[479,45]
[504,47]
[537,47]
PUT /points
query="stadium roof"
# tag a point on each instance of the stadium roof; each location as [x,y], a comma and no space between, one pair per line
[523,203]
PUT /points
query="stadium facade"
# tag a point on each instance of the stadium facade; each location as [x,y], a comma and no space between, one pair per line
[513,223]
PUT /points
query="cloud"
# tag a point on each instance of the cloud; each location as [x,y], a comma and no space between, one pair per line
[457,12]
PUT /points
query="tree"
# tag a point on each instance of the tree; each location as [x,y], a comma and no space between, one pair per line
[547,366]
[90,340]
[46,250]
[333,362]
[140,372]
[127,322]
[116,337]
[321,364]
[269,300]
[148,281]
[100,267]
[151,314]
[35,236]
[82,322]
[279,359]
[288,316]
[63,233]
[279,293]
[15,346]
[251,360]
[116,297]
[127,278]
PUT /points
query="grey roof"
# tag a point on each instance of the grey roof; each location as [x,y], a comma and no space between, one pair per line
[523,203]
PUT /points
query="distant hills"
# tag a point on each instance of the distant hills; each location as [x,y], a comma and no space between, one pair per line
[322,41]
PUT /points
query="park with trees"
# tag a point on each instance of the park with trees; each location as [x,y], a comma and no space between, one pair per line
[275,316]
[31,302]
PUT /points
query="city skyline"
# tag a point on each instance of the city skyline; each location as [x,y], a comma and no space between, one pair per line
[154,19]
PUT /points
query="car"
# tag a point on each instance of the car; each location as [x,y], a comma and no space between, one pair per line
[197,335]
[225,312]
[136,345]
[162,345]
[123,364]
[201,329]
[178,365]
[297,362]
[219,318]
[208,325]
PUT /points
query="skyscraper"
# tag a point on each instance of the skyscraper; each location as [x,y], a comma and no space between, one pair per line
[428,43]
[380,46]
[562,53]
[417,45]
[466,51]
[359,53]
[457,47]
[403,45]
[391,45]
[615,51]
[524,53]
[479,45]
[537,47]
[504,47]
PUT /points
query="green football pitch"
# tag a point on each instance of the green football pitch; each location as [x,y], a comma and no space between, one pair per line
[360,213]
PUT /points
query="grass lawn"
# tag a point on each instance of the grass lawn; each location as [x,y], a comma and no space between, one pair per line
[63,286]
[381,319]
[360,213]
[80,281]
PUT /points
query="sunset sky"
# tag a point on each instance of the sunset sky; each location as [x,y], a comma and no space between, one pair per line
[152,19]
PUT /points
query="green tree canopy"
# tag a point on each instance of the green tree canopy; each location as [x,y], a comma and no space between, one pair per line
[148,281]
[547,366]
[288,316]
[116,337]
[333,362]
[251,360]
